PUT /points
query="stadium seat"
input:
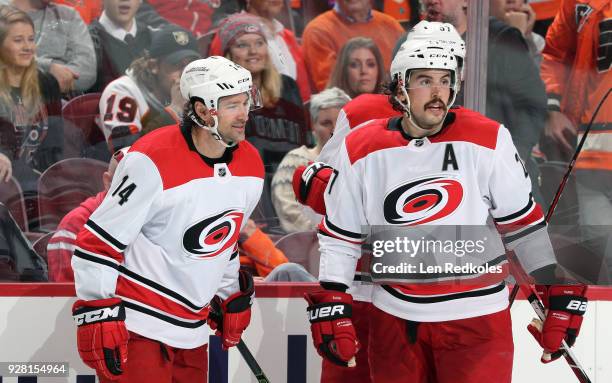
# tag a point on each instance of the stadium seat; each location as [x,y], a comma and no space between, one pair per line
[66,184]
[302,247]
[40,246]
[11,196]
[81,113]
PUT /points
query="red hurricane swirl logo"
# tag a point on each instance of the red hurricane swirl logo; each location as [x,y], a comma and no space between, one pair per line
[423,200]
[213,235]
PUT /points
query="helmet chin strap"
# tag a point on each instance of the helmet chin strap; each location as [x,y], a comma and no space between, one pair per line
[212,129]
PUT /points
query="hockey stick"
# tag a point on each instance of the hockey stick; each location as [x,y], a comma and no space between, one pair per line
[561,187]
[522,280]
[245,352]
[528,290]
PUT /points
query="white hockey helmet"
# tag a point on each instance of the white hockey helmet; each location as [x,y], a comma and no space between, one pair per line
[210,79]
[442,33]
[423,55]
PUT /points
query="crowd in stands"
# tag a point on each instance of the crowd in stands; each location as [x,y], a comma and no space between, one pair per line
[116,65]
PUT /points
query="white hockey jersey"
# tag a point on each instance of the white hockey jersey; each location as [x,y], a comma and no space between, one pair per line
[164,239]
[483,178]
[355,114]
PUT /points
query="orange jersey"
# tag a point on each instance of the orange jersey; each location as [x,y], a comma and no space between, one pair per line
[576,70]
[545,9]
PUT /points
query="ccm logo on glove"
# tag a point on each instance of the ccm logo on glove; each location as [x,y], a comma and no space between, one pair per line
[100,315]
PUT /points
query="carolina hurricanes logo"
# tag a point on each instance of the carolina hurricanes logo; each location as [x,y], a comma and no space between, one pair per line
[423,200]
[212,236]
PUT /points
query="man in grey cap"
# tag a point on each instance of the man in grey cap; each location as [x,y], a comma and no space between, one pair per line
[148,96]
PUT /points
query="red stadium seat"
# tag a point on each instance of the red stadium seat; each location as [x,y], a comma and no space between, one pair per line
[81,113]
[11,196]
[303,248]
[66,184]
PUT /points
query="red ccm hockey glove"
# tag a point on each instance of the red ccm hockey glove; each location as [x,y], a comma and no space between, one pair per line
[101,335]
[333,334]
[565,306]
[231,317]
[309,184]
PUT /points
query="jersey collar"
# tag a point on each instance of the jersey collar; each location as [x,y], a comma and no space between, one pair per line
[225,158]
[395,124]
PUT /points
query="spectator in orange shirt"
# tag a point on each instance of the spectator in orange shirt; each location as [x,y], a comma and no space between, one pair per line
[359,68]
[260,256]
[328,32]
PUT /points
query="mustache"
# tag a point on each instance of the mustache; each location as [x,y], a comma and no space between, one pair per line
[434,101]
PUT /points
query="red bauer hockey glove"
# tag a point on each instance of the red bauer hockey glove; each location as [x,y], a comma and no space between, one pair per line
[565,306]
[309,184]
[332,329]
[101,335]
[234,313]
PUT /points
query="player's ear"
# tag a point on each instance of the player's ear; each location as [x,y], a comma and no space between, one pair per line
[399,94]
[202,112]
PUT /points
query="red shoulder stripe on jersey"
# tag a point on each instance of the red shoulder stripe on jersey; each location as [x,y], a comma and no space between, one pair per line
[372,137]
[170,151]
[469,126]
[131,289]
[368,107]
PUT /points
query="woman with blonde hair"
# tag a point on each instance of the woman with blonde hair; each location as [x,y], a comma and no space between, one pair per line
[359,68]
[281,125]
[31,130]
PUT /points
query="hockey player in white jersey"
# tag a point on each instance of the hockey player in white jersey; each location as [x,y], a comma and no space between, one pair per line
[161,250]
[433,165]
[147,96]
[309,183]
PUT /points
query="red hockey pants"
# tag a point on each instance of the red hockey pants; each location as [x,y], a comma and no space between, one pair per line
[154,362]
[470,350]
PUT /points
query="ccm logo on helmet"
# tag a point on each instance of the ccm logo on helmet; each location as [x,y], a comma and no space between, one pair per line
[326,312]
[213,235]
[98,315]
[423,200]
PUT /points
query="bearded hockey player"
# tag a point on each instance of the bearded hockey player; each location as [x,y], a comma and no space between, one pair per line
[310,182]
[184,191]
[449,332]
